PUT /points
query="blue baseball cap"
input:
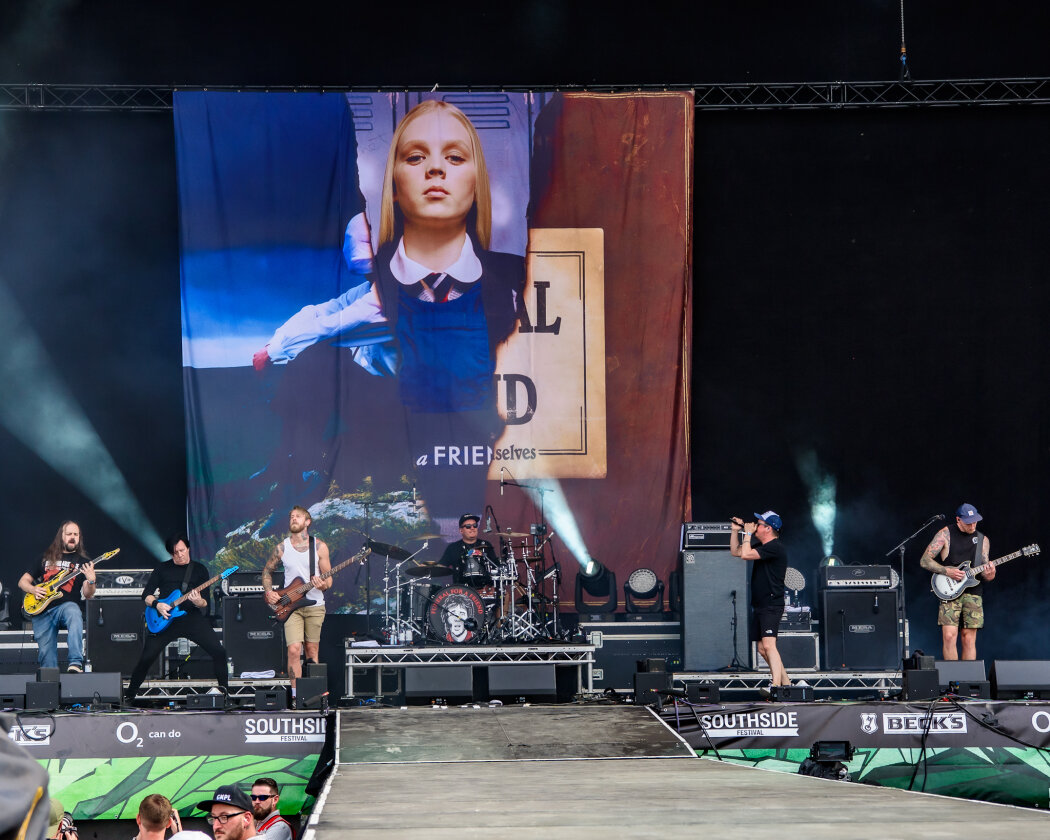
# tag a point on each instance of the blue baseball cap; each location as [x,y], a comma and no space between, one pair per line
[968,514]
[771,518]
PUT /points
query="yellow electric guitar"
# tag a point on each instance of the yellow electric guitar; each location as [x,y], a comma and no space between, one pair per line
[33,606]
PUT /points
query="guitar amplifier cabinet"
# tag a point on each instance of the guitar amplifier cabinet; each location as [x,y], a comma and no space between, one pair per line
[253,639]
[799,652]
[115,632]
[862,630]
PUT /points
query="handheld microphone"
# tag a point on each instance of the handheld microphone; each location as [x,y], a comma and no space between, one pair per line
[470,623]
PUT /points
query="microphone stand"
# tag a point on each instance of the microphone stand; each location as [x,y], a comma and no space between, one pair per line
[902,610]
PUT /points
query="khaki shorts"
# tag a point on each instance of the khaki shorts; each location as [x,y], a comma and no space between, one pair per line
[966,611]
[304,625]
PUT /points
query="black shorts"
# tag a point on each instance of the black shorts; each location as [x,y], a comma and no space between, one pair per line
[765,622]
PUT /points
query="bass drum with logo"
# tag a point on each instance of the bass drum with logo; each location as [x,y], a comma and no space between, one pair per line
[456,615]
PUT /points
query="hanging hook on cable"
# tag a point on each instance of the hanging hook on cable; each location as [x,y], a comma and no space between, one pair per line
[905,72]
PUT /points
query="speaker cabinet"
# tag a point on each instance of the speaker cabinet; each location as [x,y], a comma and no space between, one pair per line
[1020,679]
[520,680]
[861,630]
[251,636]
[712,579]
[91,689]
[115,630]
[439,681]
[960,671]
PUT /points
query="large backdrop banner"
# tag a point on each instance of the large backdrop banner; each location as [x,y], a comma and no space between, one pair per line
[399,308]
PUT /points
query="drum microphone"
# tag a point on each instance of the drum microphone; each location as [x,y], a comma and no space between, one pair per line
[488,524]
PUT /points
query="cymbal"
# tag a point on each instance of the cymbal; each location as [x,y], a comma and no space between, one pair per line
[514,534]
[426,537]
[428,570]
[394,552]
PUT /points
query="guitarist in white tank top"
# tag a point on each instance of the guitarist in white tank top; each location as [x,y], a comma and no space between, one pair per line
[961,618]
[302,630]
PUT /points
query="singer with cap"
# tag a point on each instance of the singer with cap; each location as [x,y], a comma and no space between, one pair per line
[953,545]
[760,541]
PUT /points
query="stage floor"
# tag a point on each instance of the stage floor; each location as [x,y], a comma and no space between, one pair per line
[601,772]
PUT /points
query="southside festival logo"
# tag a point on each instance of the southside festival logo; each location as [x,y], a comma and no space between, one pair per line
[750,724]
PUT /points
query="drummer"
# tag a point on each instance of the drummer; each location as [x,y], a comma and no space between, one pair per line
[470,558]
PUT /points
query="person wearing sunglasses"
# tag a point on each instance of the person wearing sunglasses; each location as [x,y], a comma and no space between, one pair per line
[470,557]
[229,814]
[268,820]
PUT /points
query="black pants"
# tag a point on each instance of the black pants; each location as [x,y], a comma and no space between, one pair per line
[193,626]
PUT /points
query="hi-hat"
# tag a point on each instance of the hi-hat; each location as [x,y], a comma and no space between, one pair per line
[428,570]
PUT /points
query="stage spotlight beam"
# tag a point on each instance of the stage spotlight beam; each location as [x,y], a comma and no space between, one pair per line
[40,410]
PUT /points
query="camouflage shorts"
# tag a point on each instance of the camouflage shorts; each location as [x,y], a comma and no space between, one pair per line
[965,611]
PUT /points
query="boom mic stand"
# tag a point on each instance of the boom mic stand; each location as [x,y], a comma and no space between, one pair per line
[902,648]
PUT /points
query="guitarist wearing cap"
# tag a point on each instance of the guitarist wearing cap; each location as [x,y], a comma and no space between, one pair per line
[65,553]
[953,545]
[183,575]
[305,558]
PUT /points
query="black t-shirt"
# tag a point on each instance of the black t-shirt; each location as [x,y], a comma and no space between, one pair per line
[767,575]
[73,589]
[963,547]
[168,577]
[455,557]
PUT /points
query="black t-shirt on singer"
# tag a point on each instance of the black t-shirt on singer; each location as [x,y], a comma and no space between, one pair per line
[767,574]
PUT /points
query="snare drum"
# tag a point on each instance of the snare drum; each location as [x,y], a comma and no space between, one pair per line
[455,614]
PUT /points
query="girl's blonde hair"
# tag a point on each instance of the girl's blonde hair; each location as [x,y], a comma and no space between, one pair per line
[390,222]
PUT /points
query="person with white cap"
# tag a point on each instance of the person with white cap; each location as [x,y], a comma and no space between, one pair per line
[953,545]
[760,542]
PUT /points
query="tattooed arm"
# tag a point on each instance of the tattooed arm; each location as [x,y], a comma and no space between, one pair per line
[989,572]
[938,550]
[267,573]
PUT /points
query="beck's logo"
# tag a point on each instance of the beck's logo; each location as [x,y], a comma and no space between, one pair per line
[869,723]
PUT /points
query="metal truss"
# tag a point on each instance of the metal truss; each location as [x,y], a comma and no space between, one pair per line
[708,97]
[175,692]
[825,683]
[581,656]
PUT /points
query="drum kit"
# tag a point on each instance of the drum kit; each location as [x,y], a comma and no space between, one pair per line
[513,599]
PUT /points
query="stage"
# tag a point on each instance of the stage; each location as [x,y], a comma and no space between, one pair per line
[556,769]
[595,770]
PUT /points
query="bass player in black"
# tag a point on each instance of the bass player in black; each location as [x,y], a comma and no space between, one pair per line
[183,574]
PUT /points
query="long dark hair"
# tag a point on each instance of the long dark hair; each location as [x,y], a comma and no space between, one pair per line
[55,551]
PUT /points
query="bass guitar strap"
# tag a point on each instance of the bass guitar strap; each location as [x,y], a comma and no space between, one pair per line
[186,577]
[313,558]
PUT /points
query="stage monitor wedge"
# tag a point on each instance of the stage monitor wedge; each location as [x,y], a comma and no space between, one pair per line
[1020,679]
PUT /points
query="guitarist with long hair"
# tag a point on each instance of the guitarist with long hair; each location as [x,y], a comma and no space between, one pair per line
[183,575]
[305,558]
[65,554]
[953,545]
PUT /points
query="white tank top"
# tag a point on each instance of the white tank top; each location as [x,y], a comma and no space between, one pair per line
[297,565]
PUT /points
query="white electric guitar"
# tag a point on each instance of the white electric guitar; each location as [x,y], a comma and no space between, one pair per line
[948,590]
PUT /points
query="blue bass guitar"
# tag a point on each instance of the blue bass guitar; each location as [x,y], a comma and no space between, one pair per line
[156,623]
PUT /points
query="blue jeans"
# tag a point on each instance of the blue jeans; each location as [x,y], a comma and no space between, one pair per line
[45,632]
